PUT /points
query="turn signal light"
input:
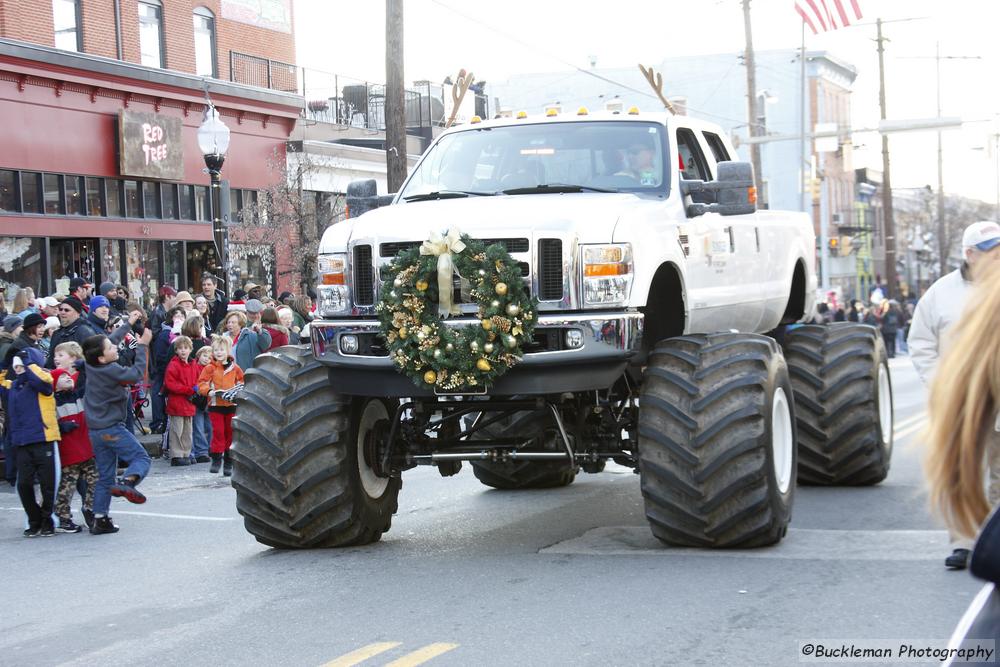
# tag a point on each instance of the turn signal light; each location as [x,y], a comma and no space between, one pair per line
[752,194]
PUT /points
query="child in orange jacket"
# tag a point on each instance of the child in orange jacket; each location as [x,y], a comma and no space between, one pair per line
[220,381]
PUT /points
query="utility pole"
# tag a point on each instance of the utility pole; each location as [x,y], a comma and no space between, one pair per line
[889,223]
[395,106]
[752,100]
[941,230]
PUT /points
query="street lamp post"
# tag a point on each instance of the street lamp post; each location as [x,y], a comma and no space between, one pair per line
[213,141]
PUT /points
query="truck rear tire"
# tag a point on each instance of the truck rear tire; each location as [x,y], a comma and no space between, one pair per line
[299,470]
[526,474]
[843,400]
[717,441]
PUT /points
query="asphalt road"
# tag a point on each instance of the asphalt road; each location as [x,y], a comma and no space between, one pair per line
[472,576]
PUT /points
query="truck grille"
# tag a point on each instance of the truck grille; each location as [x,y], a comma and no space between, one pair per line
[550,277]
[364,276]
[394,248]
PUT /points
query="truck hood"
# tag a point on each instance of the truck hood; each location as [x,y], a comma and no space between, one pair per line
[592,216]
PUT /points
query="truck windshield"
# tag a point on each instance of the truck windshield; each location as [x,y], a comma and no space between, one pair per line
[616,156]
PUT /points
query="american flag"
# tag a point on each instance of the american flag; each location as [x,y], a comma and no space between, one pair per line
[824,15]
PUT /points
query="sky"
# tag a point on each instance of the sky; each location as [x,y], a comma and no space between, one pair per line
[496,40]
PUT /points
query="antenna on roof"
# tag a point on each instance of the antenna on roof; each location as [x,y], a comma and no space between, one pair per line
[655,80]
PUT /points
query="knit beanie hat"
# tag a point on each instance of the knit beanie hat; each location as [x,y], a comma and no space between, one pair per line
[11,322]
[74,303]
[33,320]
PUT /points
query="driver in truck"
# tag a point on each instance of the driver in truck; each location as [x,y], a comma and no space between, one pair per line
[639,157]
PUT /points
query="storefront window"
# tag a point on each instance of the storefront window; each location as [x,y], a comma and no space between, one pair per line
[31,193]
[151,200]
[143,261]
[94,197]
[20,264]
[254,262]
[111,261]
[74,195]
[186,202]
[114,200]
[8,191]
[53,198]
[173,264]
[71,258]
[132,208]
[201,207]
[168,197]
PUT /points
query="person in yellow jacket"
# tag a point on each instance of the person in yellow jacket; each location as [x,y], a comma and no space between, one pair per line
[220,381]
[34,433]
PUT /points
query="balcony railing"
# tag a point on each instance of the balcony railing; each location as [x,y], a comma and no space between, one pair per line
[263,72]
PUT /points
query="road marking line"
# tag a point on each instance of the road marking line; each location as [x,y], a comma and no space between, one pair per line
[156,514]
[422,655]
[913,419]
[800,544]
[910,430]
[362,654]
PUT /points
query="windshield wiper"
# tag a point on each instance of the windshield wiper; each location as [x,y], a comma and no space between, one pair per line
[447,194]
[547,188]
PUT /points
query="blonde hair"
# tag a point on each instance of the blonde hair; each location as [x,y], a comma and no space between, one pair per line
[71,348]
[964,400]
[203,352]
[21,299]
[239,315]
[183,341]
[222,343]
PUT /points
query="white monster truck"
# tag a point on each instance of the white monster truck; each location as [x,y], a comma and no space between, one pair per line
[662,343]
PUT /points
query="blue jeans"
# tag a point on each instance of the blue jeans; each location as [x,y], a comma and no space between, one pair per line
[110,444]
[202,426]
[901,342]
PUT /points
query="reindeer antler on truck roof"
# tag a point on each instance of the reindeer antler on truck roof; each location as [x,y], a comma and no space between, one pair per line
[655,80]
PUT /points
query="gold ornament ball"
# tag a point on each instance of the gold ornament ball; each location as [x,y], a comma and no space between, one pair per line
[437,354]
[501,288]
[488,348]
[509,341]
[494,303]
[402,332]
[449,347]
[421,285]
[474,346]
[483,365]
[397,283]
[513,309]
[430,377]
[487,325]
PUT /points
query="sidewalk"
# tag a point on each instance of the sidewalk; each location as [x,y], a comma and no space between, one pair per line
[164,478]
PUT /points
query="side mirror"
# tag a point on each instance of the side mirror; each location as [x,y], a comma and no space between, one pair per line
[734,191]
[362,196]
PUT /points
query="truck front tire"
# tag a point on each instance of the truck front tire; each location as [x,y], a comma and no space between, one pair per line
[300,474]
[717,441]
[843,399]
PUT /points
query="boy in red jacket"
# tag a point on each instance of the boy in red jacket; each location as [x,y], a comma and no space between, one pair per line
[180,382]
[76,455]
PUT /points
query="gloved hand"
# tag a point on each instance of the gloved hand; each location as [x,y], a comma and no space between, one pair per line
[68,427]
[131,342]
[195,389]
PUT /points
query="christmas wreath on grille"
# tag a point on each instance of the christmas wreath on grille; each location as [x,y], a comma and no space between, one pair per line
[434,355]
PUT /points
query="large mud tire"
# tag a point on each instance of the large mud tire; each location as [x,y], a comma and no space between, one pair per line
[717,441]
[299,479]
[843,399]
[539,428]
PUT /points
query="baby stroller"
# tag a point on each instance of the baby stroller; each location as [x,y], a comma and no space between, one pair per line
[139,394]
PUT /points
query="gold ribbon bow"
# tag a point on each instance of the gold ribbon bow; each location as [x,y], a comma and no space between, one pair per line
[443,247]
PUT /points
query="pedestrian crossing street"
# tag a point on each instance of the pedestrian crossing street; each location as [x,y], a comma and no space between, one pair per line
[418,656]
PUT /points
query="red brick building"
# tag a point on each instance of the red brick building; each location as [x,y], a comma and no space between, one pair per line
[93,95]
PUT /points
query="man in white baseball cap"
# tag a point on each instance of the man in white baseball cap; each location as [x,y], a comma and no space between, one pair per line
[935,314]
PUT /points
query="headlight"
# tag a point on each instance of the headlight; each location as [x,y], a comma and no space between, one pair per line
[607,274]
[333,293]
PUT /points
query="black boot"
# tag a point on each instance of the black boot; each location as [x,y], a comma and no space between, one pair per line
[216,463]
[227,465]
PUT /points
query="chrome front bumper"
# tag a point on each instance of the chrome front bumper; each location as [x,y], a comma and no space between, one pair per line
[609,341]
